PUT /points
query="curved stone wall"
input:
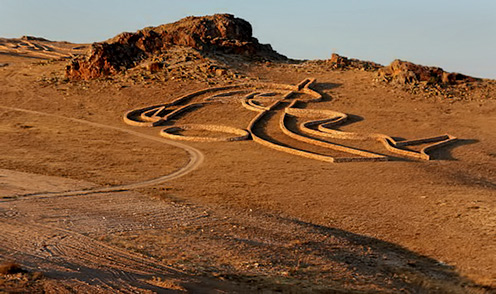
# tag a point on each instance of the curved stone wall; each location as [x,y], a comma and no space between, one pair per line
[318,122]
[241,134]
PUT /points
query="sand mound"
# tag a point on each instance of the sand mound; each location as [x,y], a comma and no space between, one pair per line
[222,33]
[39,48]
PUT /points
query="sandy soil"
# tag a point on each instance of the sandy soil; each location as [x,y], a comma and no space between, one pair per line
[237,216]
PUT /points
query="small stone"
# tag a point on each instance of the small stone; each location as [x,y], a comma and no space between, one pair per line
[220,72]
[154,67]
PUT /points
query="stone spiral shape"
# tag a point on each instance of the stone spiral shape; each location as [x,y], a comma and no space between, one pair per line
[266,99]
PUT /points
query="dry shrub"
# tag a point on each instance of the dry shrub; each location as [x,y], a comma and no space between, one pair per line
[8,268]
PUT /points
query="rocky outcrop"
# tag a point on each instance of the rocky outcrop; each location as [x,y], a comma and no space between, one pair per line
[222,33]
[341,62]
[404,73]
[32,38]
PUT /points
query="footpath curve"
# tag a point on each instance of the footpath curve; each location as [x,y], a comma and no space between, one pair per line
[196,158]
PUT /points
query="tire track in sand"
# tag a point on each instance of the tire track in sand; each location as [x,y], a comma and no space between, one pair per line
[196,158]
[79,260]
[82,262]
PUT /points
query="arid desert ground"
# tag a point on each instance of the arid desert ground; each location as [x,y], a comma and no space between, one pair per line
[92,203]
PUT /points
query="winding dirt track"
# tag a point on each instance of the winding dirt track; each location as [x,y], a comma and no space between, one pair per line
[83,263]
[196,158]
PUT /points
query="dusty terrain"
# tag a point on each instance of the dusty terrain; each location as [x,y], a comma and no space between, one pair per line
[96,205]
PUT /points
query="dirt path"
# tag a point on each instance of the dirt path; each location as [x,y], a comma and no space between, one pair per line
[62,237]
[196,158]
[82,262]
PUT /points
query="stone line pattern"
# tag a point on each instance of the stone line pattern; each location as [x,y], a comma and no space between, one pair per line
[317,123]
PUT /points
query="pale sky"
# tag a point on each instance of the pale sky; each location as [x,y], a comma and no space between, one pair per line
[453,34]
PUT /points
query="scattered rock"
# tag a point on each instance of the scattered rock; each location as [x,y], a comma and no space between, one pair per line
[4,64]
[154,67]
[432,81]
[336,62]
[220,72]
[341,62]
[221,33]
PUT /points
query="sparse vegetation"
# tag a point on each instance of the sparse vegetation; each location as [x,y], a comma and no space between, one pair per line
[99,205]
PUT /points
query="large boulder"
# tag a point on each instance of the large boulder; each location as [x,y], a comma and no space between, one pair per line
[222,33]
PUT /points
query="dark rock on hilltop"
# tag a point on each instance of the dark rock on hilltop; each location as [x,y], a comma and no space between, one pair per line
[432,81]
[32,38]
[336,62]
[341,62]
[404,72]
[222,33]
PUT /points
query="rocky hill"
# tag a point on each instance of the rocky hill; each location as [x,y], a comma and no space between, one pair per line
[219,48]
[219,33]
